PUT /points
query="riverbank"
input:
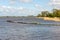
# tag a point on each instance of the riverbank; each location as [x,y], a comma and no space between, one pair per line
[44,18]
[49,18]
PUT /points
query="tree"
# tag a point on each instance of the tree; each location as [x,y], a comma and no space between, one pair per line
[39,15]
[56,12]
[44,13]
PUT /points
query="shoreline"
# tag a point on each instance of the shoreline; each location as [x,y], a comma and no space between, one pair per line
[44,18]
[50,19]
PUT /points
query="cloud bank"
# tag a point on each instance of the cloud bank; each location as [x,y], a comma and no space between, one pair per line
[20,11]
[22,7]
[55,3]
[26,1]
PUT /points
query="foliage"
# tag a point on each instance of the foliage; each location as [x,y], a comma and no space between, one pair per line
[54,13]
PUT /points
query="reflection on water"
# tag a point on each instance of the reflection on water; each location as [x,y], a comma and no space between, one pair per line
[14,31]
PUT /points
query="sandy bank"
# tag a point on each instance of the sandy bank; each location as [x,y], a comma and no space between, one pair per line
[52,19]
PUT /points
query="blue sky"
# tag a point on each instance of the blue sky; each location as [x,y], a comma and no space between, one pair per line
[26,7]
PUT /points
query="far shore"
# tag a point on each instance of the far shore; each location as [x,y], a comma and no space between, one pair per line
[50,18]
[44,18]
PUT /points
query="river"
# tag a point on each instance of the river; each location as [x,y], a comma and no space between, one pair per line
[16,31]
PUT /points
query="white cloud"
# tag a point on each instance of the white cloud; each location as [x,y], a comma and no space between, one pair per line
[26,1]
[8,10]
[55,3]
[40,8]
[12,2]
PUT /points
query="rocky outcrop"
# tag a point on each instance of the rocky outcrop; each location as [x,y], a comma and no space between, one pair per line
[10,21]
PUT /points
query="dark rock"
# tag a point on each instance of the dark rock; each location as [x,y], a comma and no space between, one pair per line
[7,39]
[0,39]
[21,22]
[10,21]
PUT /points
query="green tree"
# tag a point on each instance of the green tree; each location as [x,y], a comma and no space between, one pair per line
[56,12]
[39,15]
[44,13]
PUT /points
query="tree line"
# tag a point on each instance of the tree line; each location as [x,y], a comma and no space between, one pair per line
[54,13]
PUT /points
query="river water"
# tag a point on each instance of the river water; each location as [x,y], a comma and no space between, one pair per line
[16,31]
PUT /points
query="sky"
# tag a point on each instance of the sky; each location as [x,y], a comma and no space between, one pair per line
[26,7]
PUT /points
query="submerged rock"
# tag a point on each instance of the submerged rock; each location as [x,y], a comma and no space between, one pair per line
[23,22]
[10,21]
[0,39]
[27,23]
